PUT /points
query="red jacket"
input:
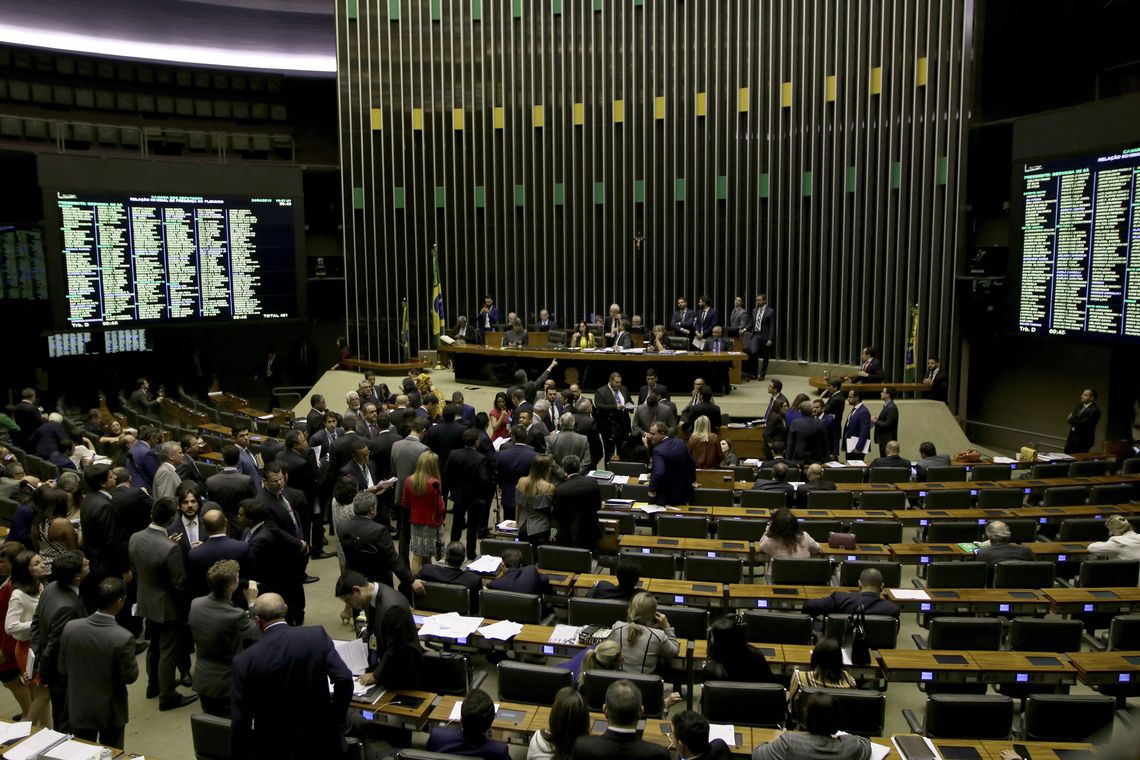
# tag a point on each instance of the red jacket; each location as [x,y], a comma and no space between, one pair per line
[7,643]
[427,509]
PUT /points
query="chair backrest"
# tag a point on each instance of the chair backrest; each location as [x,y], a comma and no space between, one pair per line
[595,683]
[1112,493]
[888,475]
[830,500]
[1028,634]
[1022,531]
[882,500]
[1000,498]
[714,569]
[952,532]
[770,627]
[531,684]
[745,704]
[862,713]
[682,526]
[965,633]
[1069,718]
[627,523]
[945,473]
[882,630]
[877,531]
[654,565]
[211,736]
[739,529]
[949,498]
[744,472]
[444,597]
[991,472]
[447,672]
[959,716]
[1130,466]
[803,572]
[713,497]
[794,473]
[7,510]
[1016,573]
[510,605]
[411,753]
[821,529]
[556,338]
[496,547]
[608,490]
[1088,468]
[1065,496]
[627,468]
[1109,572]
[844,474]
[849,572]
[1124,632]
[764,499]
[635,491]
[1053,470]
[957,575]
[687,622]
[600,612]
[1083,529]
[565,558]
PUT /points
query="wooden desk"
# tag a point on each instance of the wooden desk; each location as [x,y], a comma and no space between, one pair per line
[406,709]
[1045,515]
[773,653]
[1037,750]
[512,720]
[873,552]
[585,582]
[861,487]
[923,517]
[715,479]
[923,554]
[919,490]
[1059,551]
[1024,667]
[978,601]
[1104,600]
[747,441]
[820,382]
[708,547]
[1104,668]
[753,596]
[657,732]
[926,666]
[535,639]
[687,593]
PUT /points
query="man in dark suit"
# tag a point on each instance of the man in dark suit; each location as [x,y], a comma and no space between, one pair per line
[829,422]
[464,332]
[998,547]
[103,539]
[705,407]
[466,411]
[395,655]
[368,547]
[929,457]
[476,715]
[187,469]
[186,528]
[327,435]
[302,473]
[545,323]
[283,706]
[585,424]
[445,437]
[488,317]
[651,386]
[271,445]
[59,604]
[247,463]
[938,380]
[776,396]
[290,512]
[471,485]
[891,458]
[857,429]
[674,470]
[230,487]
[512,462]
[623,709]
[362,468]
[814,482]
[613,404]
[574,508]
[163,603]
[807,438]
[887,421]
[520,578]
[220,629]
[1082,423]
[97,657]
[761,334]
[869,596]
[778,483]
[315,419]
[368,426]
[870,367]
[691,738]
[622,338]
[681,320]
[628,575]
[215,547]
[452,572]
[704,319]
[529,387]
[27,415]
[516,335]
[142,460]
[277,556]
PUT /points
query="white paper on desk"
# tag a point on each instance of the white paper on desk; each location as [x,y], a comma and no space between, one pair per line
[878,751]
[10,732]
[930,745]
[450,625]
[853,444]
[35,745]
[508,526]
[72,750]
[1004,460]
[908,593]
[726,732]
[485,563]
[621,479]
[795,484]
[857,462]
[750,462]
[834,464]
[649,509]
[502,630]
[565,634]
[643,477]
[354,654]
[457,709]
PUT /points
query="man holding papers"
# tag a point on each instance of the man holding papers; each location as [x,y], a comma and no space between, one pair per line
[857,430]
[394,651]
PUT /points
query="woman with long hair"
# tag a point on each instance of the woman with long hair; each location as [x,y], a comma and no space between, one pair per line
[10,673]
[728,455]
[784,538]
[793,412]
[423,500]
[52,531]
[582,338]
[569,719]
[657,339]
[825,671]
[731,658]
[704,445]
[426,389]
[534,497]
[645,637]
[29,574]
[500,418]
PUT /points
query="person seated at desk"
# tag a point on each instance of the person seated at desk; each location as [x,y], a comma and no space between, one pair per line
[870,368]
[646,637]
[657,339]
[582,337]
[569,719]
[516,336]
[452,572]
[1122,543]
[778,483]
[545,322]
[930,458]
[783,538]
[869,597]
[820,738]
[605,655]
[691,738]
[728,455]
[825,671]
[628,574]
[997,548]
[464,332]
[520,578]
[476,714]
[730,658]
[814,482]
[892,458]
[623,709]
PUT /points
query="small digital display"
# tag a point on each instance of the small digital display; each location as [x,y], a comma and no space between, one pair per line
[678,599]
[1022,678]
[925,606]
[547,649]
[762,603]
[1003,608]
[926,675]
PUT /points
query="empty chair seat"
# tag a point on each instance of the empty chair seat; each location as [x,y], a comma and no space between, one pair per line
[794,473]
[877,531]
[444,597]
[627,468]
[1029,634]
[800,572]
[980,633]
[777,627]
[211,736]
[713,497]
[565,558]
[600,612]
[635,491]
[831,499]
[1065,496]
[531,684]
[1102,573]
[608,490]
[511,605]
[745,704]
[737,529]
[687,622]
[1112,493]
[1124,633]
[952,532]
[943,474]
[882,500]
[714,569]
[849,572]
[1016,573]
[744,473]
[888,475]
[682,527]
[1083,529]
[862,713]
[1052,470]
[1068,718]
[821,529]
[956,575]
[1130,466]
[1022,531]
[844,474]
[654,565]
[1088,468]
[765,499]
[1000,498]
[882,630]
[949,498]
[448,672]
[595,683]
[982,472]
[952,716]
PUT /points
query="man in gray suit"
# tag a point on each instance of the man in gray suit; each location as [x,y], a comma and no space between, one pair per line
[157,564]
[166,479]
[565,442]
[220,631]
[98,657]
[405,454]
[652,411]
[59,604]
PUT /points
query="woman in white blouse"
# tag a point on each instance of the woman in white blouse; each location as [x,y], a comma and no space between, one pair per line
[28,574]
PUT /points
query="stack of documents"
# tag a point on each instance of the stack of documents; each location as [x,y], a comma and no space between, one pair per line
[565,634]
[35,746]
[450,625]
[909,593]
[486,563]
[502,630]
[354,654]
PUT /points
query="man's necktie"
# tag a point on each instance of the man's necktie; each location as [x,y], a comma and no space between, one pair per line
[292,515]
[618,399]
[192,531]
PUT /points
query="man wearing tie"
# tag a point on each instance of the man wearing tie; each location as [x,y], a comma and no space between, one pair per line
[857,430]
[682,320]
[613,322]
[762,335]
[545,323]
[247,464]
[613,403]
[738,318]
[937,379]
[288,512]
[718,344]
[703,319]
[887,421]
[870,369]
[622,338]
[488,317]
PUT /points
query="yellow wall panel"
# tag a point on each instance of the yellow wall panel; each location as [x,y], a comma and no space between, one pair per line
[619,111]
[457,118]
[579,114]
[659,107]
[538,116]
[498,117]
[786,95]
[829,88]
[377,119]
[702,104]
[920,72]
[417,118]
[742,99]
[876,80]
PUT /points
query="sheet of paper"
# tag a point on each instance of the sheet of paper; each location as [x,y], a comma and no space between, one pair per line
[1004,460]
[354,653]
[726,732]
[498,443]
[853,444]
[879,751]
[457,710]
[857,462]
[750,462]
[502,630]
[650,509]
[450,625]
[565,634]
[643,477]
[72,750]
[10,732]
[317,453]
[486,563]
[833,464]
[508,526]
[34,745]
[621,479]
[908,593]
[388,482]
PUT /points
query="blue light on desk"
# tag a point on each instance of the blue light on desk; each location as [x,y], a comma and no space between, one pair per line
[923,560]
[645,550]
[461,641]
[678,599]
[762,603]
[922,493]
[1028,490]
[924,522]
[925,606]
[1062,557]
[973,492]
[547,649]
[926,675]
[1125,678]
[851,558]
[981,521]
[418,619]
[712,554]
[1003,608]
[1088,608]
[1043,520]
[1023,678]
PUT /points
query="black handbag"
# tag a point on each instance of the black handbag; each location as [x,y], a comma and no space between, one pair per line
[855,638]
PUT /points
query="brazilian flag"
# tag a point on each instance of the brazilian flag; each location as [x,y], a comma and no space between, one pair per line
[910,373]
[437,313]
[405,334]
